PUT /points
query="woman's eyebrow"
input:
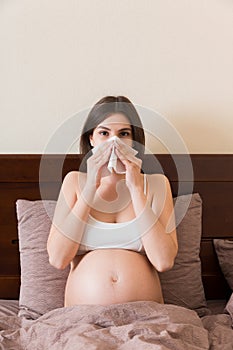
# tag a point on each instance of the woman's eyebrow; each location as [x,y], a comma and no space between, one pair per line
[104,127]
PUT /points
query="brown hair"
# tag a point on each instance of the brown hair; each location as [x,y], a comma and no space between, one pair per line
[106,107]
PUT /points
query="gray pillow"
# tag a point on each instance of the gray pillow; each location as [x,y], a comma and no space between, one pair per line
[224,251]
[42,286]
[182,285]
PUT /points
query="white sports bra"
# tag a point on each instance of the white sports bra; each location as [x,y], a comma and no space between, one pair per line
[103,235]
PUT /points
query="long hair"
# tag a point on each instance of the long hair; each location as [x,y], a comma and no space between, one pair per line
[103,109]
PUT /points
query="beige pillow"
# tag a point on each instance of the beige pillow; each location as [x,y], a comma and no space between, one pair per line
[224,251]
[182,285]
[42,286]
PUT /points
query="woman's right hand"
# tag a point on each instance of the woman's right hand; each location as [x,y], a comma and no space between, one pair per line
[95,165]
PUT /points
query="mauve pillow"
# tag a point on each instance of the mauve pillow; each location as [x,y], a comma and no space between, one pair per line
[42,286]
[224,251]
[229,308]
[182,285]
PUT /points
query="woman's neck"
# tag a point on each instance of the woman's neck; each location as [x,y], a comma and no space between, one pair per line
[112,179]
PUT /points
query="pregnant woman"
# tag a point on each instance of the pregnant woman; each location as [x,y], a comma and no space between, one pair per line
[112,223]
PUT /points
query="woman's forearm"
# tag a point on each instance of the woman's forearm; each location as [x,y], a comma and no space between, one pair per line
[67,229]
[73,224]
[159,245]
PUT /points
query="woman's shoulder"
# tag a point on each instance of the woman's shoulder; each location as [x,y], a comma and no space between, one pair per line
[158,182]
[73,179]
[159,185]
[74,175]
[155,178]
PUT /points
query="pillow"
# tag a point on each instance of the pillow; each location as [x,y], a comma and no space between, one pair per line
[229,308]
[224,251]
[182,285]
[42,286]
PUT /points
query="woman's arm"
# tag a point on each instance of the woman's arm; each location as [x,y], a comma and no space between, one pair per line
[158,222]
[73,207]
[68,223]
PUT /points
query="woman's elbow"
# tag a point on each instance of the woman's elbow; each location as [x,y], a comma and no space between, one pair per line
[58,264]
[168,263]
[165,262]
[56,260]
[165,265]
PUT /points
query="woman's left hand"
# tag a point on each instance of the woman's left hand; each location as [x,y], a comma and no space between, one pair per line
[133,178]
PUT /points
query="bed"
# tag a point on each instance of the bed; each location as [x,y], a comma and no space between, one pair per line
[198,309]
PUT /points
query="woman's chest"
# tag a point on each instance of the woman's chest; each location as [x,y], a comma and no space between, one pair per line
[125,214]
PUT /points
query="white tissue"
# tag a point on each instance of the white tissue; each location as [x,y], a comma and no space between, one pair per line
[114,162]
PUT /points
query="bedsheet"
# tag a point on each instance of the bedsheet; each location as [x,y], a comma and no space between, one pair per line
[135,325]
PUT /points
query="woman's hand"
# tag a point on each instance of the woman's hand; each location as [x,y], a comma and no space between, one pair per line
[133,177]
[95,164]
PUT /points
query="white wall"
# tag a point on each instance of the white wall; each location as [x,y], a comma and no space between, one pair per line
[59,57]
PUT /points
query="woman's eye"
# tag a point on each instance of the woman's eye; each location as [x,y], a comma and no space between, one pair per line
[124,134]
[104,133]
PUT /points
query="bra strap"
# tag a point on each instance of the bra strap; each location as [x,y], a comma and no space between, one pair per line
[145,182]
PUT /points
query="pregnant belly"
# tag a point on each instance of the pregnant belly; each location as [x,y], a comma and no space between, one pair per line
[109,276]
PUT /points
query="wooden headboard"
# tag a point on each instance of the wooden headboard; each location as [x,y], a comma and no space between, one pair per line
[213,180]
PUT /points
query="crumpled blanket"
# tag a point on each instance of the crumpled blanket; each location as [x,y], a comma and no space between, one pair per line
[134,325]
[220,331]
